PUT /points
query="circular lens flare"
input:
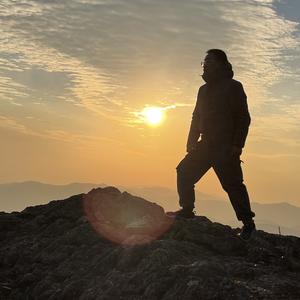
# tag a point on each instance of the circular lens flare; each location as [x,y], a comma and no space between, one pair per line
[123,218]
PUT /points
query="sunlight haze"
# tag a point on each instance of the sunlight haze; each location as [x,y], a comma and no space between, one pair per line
[103,91]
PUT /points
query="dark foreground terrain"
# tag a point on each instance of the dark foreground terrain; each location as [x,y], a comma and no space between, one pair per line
[112,245]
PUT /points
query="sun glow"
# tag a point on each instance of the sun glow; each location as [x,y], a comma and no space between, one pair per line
[153,115]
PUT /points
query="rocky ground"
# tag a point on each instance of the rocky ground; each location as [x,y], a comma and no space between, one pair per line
[112,245]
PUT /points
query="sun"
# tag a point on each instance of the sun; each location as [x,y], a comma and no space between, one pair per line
[153,115]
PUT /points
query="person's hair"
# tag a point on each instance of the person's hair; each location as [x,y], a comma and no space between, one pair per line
[219,54]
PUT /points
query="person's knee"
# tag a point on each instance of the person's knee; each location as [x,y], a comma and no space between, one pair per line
[233,186]
[180,169]
[183,175]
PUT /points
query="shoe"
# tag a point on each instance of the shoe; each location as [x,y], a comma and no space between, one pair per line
[182,213]
[247,231]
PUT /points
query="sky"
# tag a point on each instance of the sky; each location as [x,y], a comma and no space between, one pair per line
[76,76]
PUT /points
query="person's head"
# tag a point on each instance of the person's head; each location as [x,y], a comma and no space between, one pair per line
[214,59]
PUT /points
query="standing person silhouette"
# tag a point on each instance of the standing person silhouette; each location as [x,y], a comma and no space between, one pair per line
[222,119]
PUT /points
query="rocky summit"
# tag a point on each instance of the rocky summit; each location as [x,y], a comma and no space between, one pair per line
[111,245]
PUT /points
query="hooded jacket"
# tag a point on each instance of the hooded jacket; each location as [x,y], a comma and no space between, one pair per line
[221,113]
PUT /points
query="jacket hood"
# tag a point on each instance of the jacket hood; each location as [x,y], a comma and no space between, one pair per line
[223,72]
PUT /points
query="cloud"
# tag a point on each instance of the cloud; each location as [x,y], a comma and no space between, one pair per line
[12,124]
[26,54]
[259,37]
[117,56]
[83,141]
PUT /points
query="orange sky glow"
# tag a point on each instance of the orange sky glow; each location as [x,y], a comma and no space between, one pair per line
[103,92]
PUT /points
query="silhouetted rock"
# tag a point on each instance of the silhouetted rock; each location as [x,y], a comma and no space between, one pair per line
[112,245]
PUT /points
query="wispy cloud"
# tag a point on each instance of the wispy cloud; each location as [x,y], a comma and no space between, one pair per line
[85,141]
[15,126]
[118,56]
[25,52]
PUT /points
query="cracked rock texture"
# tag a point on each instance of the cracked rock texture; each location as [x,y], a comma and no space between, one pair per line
[111,245]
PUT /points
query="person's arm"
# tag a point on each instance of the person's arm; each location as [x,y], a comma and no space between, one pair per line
[194,132]
[241,115]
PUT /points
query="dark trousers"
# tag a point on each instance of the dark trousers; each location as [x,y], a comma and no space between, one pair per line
[228,169]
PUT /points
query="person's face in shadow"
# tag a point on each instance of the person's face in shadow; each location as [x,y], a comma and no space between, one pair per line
[210,64]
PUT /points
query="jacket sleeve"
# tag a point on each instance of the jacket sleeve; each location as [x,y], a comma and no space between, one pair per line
[241,115]
[194,132]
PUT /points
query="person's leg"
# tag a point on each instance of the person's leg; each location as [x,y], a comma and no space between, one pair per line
[229,171]
[189,171]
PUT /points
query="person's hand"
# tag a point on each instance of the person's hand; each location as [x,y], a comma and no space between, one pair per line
[236,150]
[190,148]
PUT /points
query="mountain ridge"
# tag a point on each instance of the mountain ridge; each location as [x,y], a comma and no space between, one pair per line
[269,217]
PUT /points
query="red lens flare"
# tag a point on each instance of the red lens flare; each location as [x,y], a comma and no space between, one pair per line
[123,218]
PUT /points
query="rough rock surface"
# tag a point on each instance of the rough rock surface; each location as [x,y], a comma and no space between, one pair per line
[112,245]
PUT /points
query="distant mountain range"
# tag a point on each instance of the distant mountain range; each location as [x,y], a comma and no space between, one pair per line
[269,217]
